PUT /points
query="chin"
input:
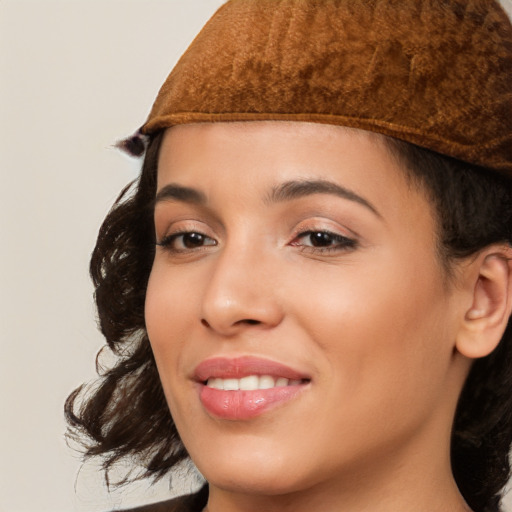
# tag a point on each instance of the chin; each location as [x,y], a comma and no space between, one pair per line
[262,480]
[255,468]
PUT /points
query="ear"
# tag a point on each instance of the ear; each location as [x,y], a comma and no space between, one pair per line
[488,278]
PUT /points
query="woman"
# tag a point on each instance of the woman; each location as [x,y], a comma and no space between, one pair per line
[310,286]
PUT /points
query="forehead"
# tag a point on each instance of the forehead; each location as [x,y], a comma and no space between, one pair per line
[282,142]
[249,156]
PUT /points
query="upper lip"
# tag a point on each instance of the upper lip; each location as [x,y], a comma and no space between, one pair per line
[239,367]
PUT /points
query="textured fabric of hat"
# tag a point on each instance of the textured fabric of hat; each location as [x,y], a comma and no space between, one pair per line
[437,73]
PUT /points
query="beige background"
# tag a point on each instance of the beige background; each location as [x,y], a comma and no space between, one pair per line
[75,75]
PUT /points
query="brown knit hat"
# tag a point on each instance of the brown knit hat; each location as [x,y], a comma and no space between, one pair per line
[437,73]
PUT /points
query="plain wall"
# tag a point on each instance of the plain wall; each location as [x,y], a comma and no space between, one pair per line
[75,75]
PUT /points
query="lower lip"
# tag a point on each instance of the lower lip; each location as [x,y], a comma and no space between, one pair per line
[244,405]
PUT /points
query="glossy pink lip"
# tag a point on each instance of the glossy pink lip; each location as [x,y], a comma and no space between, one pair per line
[244,405]
[236,368]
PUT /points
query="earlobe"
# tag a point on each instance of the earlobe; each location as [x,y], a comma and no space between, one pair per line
[490,282]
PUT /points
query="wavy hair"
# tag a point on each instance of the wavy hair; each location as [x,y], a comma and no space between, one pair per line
[125,414]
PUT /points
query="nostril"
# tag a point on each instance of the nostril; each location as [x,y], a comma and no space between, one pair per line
[249,321]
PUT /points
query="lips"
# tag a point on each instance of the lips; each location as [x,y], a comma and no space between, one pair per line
[245,387]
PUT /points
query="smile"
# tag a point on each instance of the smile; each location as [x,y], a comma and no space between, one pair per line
[251,383]
[246,387]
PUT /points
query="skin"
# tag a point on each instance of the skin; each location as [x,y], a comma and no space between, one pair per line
[375,323]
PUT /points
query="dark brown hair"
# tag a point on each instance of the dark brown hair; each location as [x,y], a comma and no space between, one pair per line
[126,414]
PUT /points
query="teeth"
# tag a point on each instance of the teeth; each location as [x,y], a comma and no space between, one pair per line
[267,382]
[251,383]
[216,383]
[231,384]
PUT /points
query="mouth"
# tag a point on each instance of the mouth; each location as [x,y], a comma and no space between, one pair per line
[252,383]
[245,387]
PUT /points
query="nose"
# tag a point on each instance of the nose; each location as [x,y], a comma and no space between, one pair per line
[241,293]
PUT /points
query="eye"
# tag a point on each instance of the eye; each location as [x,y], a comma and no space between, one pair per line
[186,241]
[323,241]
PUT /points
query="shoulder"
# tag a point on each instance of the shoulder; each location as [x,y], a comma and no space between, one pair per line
[188,503]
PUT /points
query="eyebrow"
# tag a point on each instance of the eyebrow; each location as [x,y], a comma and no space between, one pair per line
[301,188]
[286,191]
[173,192]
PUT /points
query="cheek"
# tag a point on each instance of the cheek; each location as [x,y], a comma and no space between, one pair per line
[384,331]
[171,301]
[168,313]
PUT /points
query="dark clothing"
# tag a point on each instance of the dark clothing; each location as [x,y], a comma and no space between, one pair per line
[189,503]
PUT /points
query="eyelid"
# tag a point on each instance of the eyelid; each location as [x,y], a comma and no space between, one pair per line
[182,227]
[165,240]
[171,212]
[182,224]
[321,224]
[188,248]
[343,240]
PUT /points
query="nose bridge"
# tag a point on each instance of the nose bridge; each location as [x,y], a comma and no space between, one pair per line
[240,291]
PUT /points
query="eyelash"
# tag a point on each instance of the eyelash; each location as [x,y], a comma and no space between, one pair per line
[167,241]
[341,242]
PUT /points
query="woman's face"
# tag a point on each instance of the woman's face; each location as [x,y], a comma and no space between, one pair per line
[296,262]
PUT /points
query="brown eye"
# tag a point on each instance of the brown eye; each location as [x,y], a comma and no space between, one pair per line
[188,241]
[322,239]
[193,240]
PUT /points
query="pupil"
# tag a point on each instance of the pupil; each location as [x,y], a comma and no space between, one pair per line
[321,239]
[192,240]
